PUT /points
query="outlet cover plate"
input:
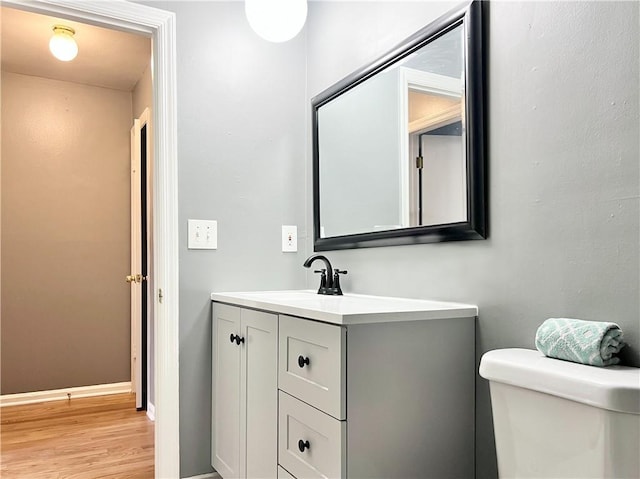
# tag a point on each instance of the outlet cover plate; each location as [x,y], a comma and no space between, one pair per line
[289,238]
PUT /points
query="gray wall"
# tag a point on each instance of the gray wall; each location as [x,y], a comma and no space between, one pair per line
[65,234]
[241,155]
[563,178]
[563,172]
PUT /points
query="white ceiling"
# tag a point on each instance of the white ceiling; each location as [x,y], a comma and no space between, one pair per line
[106,58]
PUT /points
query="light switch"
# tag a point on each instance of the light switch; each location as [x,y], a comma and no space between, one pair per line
[203,234]
[289,238]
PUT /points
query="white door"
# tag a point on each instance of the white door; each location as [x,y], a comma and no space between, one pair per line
[134,281]
[139,257]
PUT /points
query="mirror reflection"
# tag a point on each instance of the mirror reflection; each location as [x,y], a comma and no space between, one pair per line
[394,149]
[391,148]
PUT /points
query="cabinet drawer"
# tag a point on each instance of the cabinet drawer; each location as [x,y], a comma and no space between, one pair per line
[322,438]
[311,363]
[282,474]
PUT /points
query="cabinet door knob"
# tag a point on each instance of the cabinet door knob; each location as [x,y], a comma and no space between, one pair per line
[302,361]
[302,445]
[236,338]
[232,338]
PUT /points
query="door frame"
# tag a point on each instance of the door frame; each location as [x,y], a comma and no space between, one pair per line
[160,26]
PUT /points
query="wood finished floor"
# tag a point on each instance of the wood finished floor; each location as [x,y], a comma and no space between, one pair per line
[85,438]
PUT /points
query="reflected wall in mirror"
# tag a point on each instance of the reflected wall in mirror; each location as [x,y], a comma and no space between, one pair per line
[398,147]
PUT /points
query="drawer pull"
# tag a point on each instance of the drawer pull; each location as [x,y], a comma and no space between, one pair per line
[302,361]
[236,338]
[302,445]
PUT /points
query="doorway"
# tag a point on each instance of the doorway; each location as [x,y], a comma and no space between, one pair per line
[160,27]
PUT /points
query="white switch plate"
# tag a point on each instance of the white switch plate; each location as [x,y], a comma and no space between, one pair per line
[289,238]
[203,234]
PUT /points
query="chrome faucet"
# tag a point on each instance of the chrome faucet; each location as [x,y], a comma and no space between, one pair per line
[329,278]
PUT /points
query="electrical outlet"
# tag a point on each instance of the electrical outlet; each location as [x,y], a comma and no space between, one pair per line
[289,238]
[203,234]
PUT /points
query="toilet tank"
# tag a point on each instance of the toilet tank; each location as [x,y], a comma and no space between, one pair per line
[557,419]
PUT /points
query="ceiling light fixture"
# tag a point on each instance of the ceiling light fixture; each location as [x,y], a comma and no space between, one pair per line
[62,44]
[276,20]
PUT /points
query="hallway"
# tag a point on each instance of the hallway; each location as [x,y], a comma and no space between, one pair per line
[85,438]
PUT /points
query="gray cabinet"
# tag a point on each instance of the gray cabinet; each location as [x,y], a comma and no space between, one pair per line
[381,399]
[396,400]
[244,396]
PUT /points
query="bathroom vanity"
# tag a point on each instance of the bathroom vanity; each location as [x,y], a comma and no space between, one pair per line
[353,386]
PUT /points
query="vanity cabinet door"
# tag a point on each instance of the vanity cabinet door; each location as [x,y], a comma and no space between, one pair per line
[259,395]
[225,440]
[245,393]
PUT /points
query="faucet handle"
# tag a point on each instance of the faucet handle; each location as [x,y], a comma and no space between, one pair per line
[323,280]
[336,289]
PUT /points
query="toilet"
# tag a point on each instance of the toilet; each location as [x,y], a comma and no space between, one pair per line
[561,420]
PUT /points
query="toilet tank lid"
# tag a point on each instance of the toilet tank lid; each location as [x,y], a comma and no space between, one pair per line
[616,388]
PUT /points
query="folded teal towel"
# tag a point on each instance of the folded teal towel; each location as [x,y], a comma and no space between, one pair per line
[586,342]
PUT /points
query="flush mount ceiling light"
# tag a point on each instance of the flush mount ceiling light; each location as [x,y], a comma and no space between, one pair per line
[62,44]
[276,20]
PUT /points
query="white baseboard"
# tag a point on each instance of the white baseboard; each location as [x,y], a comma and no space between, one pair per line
[211,475]
[67,393]
[151,411]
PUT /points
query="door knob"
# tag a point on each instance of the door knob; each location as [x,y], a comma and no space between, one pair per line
[135,278]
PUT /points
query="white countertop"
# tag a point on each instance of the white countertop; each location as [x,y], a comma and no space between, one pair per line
[346,309]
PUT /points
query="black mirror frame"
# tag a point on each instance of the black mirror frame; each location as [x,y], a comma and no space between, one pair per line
[470,14]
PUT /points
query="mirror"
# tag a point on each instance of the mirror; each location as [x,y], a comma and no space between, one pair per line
[398,147]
